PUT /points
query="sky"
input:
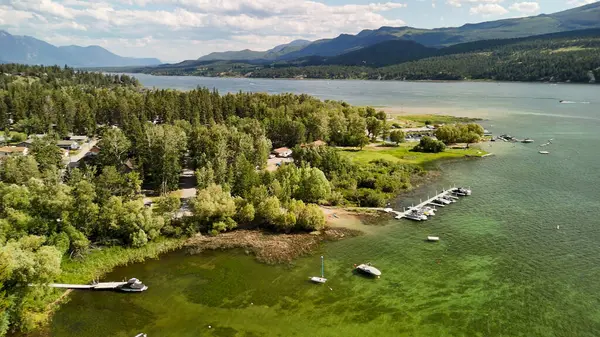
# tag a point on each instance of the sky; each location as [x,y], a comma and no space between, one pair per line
[176,30]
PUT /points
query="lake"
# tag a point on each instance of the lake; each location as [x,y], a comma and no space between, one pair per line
[520,257]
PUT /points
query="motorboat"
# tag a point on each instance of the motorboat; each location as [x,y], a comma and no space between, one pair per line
[428,211]
[133,285]
[527,140]
[462,191]
[544,152]
[415,214]
[321,279]
[368,269]
[443,201]
[433,238]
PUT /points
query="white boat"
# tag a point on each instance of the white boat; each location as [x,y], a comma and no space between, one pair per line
[367,268]
[441,200]
[141,335]
[527,140]
[462,191]
[433,238]
[445,197]
[415,215]
[428,211]
[544,152]
[321,279]
[133,286]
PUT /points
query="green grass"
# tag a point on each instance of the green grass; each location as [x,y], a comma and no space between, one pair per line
[402,154]
[102,261]
[419,120]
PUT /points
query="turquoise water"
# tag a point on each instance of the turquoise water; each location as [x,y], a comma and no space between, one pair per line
[502,268]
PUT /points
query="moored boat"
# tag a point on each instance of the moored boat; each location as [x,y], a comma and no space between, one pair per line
[527,140]
[462,191]
[367,268]
[321,279]
[133,285]
[428,211]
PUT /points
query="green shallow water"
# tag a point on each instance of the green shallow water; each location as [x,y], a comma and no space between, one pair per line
[502,268]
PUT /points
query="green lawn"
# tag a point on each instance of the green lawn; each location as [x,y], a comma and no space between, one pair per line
[419,120]
[402,154]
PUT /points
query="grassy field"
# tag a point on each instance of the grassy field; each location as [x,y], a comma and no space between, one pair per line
[419,120]
[402,154]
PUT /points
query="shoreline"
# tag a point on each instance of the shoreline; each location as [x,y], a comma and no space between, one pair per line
[362,79]
[267,247]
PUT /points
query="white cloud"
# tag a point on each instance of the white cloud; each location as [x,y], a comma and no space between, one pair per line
[488,10]
[580,2]
[525,7]
[183,29]
[459,3]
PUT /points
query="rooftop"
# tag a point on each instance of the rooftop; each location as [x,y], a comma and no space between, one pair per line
[13,149]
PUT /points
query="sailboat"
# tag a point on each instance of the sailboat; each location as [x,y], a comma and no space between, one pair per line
[321,279]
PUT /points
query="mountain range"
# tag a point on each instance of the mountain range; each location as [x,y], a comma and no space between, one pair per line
[29,50]
[584,17]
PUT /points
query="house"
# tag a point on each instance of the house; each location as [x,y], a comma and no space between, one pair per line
[26,143]
[93,151]
[67,145]
[282,152]
[316,143]
[6,151]
[79,139]
[128,166]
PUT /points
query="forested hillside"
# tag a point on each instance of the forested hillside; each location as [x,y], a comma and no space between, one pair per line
[567,57]
[52,217]
[561,57]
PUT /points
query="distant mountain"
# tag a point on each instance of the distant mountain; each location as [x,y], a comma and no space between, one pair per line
[579,18]
[29,50]
[248,54]
[383,54]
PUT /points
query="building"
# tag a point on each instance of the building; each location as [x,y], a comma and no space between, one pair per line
[79,139]
[67,145]
[316,143]
[26,143]
[6,151]
[93,151]
[282,152]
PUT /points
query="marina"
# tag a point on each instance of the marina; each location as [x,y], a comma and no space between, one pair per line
[423,210]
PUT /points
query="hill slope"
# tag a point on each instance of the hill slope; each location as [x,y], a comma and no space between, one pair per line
[29,50]
[559,57]
[247,54]
[584,17]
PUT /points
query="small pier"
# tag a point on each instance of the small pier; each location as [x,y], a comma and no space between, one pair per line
[132,285]
[97,286]
[451,194]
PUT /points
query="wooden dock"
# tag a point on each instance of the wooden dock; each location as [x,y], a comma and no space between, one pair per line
[96,286]
[430,201]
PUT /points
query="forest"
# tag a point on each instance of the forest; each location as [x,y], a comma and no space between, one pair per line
[559,57]
[50,214]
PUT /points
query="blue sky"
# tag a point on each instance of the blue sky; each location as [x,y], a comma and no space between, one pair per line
[175,30]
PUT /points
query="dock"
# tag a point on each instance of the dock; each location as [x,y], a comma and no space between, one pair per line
[132,285]
[97,286]
[449,193]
